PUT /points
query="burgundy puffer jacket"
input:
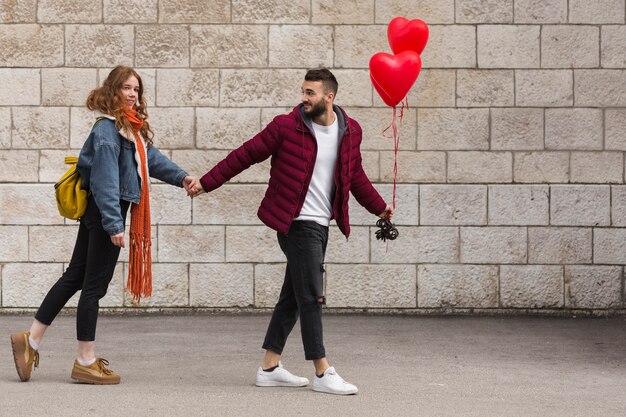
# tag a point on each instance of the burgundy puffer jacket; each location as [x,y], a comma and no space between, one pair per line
[290,141]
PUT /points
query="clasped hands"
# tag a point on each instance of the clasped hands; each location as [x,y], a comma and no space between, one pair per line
[192,186]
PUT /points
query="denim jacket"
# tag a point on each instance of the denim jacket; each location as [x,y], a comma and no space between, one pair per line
[109,171]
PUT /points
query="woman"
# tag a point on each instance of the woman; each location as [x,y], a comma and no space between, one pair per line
[114,163]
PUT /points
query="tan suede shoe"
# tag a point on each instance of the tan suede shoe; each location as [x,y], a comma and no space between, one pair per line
[24,355]
[96,373]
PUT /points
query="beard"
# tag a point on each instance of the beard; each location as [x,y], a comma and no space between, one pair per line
[316,110]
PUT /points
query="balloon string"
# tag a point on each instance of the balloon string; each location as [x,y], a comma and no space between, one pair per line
[396,143]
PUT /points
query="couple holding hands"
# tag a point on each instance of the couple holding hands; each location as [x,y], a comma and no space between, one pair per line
[315,163]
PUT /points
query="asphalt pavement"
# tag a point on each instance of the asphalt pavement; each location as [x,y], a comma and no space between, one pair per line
[204,365]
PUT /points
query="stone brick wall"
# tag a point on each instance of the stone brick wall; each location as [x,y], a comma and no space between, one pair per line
[511,188]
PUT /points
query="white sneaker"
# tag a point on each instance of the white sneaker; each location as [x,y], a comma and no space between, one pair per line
[332,383]
[279,377]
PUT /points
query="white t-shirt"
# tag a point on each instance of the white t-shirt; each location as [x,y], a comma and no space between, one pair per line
[318,204]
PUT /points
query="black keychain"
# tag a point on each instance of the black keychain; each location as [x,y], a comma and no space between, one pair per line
[387,230]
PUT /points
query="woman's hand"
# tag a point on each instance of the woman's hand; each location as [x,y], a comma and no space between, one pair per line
[118,240]
[195,189]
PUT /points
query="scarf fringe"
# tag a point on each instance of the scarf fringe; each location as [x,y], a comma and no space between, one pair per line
[140,267]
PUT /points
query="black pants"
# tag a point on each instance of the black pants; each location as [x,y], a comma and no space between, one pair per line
[302,293]
[90,270]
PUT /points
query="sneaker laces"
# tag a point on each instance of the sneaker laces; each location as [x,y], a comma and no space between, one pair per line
[102,364]
[36,359]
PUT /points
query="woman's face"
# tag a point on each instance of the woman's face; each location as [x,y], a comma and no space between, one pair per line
[130,91]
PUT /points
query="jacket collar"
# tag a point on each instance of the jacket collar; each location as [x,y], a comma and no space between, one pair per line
[122,132]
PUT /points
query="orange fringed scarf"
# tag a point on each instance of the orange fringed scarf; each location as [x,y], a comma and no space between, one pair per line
[140,258]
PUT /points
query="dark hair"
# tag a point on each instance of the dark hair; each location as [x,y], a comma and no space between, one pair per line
[108,99]
[326,77]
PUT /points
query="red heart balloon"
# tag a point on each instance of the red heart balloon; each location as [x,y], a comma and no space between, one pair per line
[405,35]
[393,75]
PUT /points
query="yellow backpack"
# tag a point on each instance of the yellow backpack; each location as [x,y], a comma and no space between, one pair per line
[71,198]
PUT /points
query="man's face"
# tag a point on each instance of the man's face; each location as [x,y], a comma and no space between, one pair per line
[313,98]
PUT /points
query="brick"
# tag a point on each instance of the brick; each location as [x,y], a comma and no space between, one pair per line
[265,248]
[281,11]
[68,11]
[559,245]
[434,88]
[600,88]
[508,46]
[407,207]
[115,292]
[20,87]
[173,127]
[570,46]
[493,245]
[615,127]
[353,250]
[225,128]
[481,11]
[268,280]
[609,246]
[241,88]
[187,87]
[51,163]
[197,163]
[429,11]
[414,167]
[423,244]
[597,167]
[593,287]
[531,286]
[450,47]
[162,46]
[40,238]
[355,87]
[540,11]
[452,129]
[485,88]
[613,49]
[372,286]
[453,205]
[230,204]
[100,45]
[518,205]
[517,129]
[355,45]
[544,88]
[541,167]
[221,285]
[169,205]
[297,46]
[26,284]
[81,122]
[229,46]
[194,11]
[66,86]
[130,11]
[574,129]
[23,11]
[580,205]
[13,243]
[5,126]
[480,167]
[371,165]
[457,286]
[41,128]
[191,244]
[30,45]
[618,205]
[170,287]
[376,136]
[597,11]
[342,12]
[19,166]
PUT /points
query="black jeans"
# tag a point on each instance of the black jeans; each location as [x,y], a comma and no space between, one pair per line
[90,270]
[302,293]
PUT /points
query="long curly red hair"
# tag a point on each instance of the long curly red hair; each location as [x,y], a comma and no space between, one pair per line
[108,99]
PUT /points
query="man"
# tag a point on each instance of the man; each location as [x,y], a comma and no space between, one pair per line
[316,162]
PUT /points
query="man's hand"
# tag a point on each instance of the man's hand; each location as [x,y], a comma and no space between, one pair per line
[188,182]
[195,189]
[118,240]
[388,213]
